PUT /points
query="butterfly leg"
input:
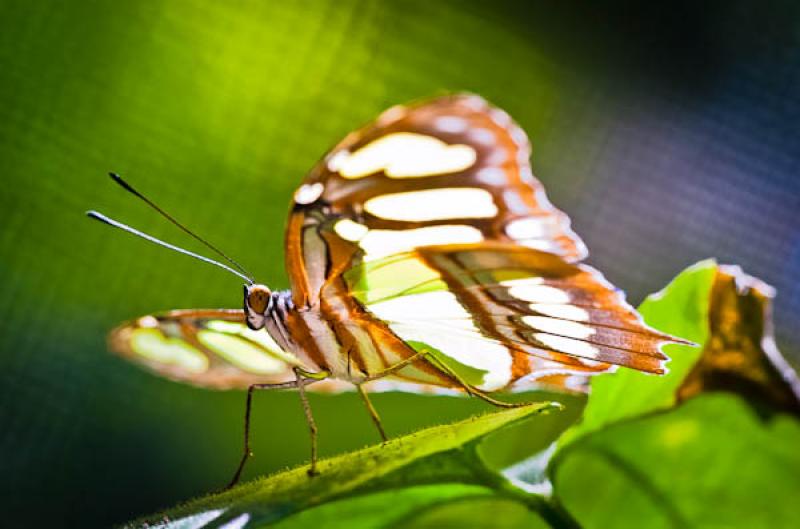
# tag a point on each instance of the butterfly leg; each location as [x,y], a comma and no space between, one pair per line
[302,382]
[376,419]
[471,390]
[396,367]
[247,453]
[247,409]
[372,411]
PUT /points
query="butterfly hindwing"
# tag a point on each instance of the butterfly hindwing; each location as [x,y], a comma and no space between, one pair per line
[211,348]
[514,314]
[542,306]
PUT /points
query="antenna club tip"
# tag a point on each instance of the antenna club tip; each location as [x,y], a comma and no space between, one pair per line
[96,215]
[118,179]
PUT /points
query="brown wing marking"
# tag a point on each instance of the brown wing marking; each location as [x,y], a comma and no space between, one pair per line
[620,338]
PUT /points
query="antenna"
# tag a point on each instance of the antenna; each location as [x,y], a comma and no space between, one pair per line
[111,222]
[127,187]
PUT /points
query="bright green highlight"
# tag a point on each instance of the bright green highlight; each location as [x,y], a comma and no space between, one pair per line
[154,346]
[383,508]
[240,353]
[391,277]
[260,337]
[471,375]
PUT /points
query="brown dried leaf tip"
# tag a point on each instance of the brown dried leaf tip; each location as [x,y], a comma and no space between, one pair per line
[740,355]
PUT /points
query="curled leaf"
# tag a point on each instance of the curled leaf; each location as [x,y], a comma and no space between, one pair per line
[740,355]
[727,314]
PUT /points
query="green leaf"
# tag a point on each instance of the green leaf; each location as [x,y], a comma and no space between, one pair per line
[373,487]
[494,512]
[385,507]
[712,462]
[705,445]
[680,309]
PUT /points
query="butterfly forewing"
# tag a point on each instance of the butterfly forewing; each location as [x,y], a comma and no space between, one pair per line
[452,170]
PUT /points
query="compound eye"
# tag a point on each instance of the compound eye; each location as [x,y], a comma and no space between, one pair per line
[258,298]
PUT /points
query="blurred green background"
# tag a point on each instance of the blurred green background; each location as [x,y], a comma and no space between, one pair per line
[668,134]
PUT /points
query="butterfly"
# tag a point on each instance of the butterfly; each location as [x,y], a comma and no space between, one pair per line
[424,256]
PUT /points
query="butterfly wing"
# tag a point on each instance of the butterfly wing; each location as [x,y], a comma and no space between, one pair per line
[210,348]
[427,229]
[449,170]
[506,316]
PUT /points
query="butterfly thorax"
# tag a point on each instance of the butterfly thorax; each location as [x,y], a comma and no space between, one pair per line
[276,314]
[316,334]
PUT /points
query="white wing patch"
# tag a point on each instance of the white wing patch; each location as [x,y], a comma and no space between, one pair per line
[569,346]
[538,233]
[404,155]
[561,327]
[350,230]
[439,320]
[531,289]
[427,306]
[434,204]
[528,228]
[471,349]
[381,243]
[566,312]
[308,193]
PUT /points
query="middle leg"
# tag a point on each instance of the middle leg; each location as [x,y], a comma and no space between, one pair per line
[247,453]
[376,419]
[444,368]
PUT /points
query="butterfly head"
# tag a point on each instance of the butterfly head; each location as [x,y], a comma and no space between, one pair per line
[257,304]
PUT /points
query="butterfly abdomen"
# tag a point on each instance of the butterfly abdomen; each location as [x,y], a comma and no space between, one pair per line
[342,337]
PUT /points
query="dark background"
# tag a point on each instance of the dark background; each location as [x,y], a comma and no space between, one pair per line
[668,134]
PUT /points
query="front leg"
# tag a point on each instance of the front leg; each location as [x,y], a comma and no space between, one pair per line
[302,379]
[302,382]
